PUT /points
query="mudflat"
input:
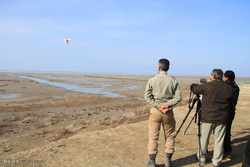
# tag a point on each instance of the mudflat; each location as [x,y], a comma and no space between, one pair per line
[92,120]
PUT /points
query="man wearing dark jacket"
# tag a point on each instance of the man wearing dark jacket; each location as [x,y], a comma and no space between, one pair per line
[229,78]
[215,105]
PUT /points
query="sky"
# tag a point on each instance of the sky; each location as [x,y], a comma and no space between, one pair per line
[125,36]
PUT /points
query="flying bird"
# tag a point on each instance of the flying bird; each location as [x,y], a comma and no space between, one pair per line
[67,40]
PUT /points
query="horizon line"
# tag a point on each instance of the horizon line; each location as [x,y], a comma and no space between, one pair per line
[110,73]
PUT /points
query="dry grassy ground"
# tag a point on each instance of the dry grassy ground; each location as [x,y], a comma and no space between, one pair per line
[50,126]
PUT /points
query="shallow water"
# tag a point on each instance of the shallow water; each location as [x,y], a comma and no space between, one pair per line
[93,81]
[76,88]
[9,96]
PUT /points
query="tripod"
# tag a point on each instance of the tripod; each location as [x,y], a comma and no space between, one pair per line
[197,115]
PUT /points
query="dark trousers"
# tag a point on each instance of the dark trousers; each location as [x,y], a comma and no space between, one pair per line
[246,157]
[227,139]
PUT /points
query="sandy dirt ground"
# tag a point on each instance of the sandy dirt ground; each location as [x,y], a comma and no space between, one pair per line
[53,127]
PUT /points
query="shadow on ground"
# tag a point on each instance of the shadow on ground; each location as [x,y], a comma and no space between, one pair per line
[237,155]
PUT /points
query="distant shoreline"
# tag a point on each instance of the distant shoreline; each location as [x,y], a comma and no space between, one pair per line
[100,73]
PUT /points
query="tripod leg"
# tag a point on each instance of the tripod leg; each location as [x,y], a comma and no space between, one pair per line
[190,109]
[199,136]
[198,115]
[195,115]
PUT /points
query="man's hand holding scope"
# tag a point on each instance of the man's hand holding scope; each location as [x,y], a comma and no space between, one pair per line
[203,80]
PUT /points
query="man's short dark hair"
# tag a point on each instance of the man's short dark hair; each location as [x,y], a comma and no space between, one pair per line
[218,74]
[164,64]
[230,75]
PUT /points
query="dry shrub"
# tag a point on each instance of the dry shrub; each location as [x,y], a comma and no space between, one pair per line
[75,127]
[5,127]
[3,124]
[142,113]
[41,124]
[63,133]
[96,112]
[119,121]
[126,120]
[78,116]
[5,120]
[65,116]
[81,122]
[106,121]
[56,118]
[107,118]
[44,132]
[28,120]
[3,91]
[15,118]
[35,103]
[38,134]
[89,114]
[6,148]
[54,121]
[33,114]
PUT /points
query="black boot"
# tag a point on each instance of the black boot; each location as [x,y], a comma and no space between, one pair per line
[168,161]
[151,162]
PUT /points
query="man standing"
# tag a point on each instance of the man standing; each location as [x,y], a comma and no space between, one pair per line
[215,108]
[229,78]
[162,93]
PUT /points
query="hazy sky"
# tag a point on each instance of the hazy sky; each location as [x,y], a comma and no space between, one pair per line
[125,36]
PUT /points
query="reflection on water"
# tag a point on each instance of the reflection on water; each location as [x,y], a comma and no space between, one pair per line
[76,88]
[9,96]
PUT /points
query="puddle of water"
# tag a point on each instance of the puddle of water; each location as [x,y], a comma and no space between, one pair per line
[141,99]
[96,83]
[9,96]
[132,87]
[75,87]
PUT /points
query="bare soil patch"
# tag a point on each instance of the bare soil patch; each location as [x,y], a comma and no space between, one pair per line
[51,126]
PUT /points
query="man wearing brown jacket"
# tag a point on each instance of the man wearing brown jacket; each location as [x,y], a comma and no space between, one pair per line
[215,107]
[162,93]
